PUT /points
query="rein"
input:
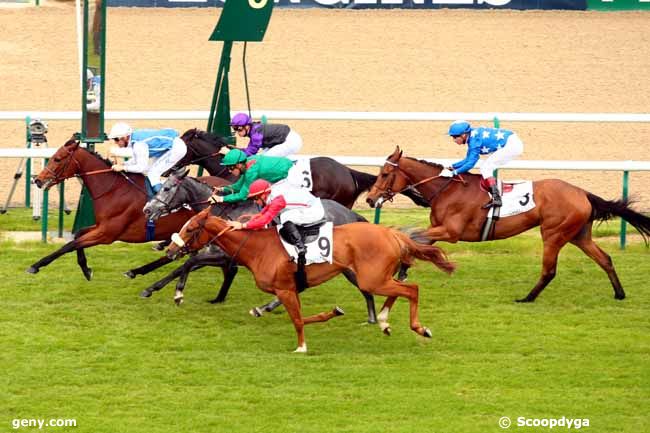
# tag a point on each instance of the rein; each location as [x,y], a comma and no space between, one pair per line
[423,181]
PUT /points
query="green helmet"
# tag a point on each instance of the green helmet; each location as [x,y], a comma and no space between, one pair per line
[235,156]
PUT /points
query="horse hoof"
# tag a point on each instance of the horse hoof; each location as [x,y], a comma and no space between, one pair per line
[619,297]
[301,349]
[178,301]
[524,300]
[216,301]
[387,331]
[338,311]
[32,270]
[372,321]
[129,274]
[255,312]
[88,273]
[426,332]
[158,247]
[145,294]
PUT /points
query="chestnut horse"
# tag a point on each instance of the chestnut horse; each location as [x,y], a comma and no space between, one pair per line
[565,213]
[118,199]
[373,253]
[331,179]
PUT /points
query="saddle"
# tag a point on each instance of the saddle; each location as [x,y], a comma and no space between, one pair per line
[309,232]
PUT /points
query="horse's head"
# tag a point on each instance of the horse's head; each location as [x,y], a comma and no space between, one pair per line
[390,181]
[61,166]
[192,237]
[168,198]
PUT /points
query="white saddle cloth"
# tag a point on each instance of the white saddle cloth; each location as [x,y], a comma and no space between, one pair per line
[319,250]
[517,200]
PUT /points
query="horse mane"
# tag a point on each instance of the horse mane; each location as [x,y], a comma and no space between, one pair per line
[431,164]
[98,156]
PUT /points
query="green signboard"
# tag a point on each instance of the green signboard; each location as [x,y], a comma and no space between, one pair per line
[243,20]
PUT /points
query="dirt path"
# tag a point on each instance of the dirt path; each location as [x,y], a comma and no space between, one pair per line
[398,60]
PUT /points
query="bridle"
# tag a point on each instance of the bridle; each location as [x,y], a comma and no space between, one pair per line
[389,194]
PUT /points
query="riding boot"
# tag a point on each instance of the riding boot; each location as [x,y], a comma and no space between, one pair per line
[496,197]
[296,238]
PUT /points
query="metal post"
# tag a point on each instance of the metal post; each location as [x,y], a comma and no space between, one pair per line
[44,213]
[28,165]
[626,179]
[377,215]
[61,208]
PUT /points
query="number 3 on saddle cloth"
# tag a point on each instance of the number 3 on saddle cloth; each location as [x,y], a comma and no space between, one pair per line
[517,197]
[319,241]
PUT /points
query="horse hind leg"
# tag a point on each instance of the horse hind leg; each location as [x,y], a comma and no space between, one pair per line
[324,317]
[549,268]
[593,251]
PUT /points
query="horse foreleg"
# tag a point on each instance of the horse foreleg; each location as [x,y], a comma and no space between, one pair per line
[158,285]
[268,307]
[393,289]
[589,247]
[370,300]
[292,304]
[142,270]
[229,273]
[70,246]
[324,317]
[83,264]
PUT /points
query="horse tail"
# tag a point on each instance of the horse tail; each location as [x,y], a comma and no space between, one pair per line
[603,210]
[411,246]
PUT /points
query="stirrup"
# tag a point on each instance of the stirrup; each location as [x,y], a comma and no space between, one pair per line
[492,203]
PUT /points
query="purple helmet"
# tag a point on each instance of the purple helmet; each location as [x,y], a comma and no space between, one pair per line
[241,119]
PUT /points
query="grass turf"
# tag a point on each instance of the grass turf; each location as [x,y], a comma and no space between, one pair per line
[95,352]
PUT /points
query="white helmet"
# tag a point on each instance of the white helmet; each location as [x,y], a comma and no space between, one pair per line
[119,130]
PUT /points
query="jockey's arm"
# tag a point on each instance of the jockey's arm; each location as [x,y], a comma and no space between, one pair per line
[140,161]
[472,157]
[251,174]
[254,144]
[267,214]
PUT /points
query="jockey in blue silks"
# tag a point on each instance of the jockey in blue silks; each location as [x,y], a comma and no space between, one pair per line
[154,150]
[503,145]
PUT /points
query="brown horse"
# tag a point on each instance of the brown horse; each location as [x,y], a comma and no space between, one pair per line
[565,213]
[371,253]
[118,199]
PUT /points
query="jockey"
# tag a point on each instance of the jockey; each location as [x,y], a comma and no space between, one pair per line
[504,146]
[272,139]
[270,168]
[296,206]
[163,146]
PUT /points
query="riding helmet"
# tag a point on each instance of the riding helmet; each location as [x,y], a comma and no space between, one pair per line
[119,130]
[241,119]
[235,156]
[459,127]
[259,187]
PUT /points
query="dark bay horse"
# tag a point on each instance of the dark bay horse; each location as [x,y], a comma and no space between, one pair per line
[182,191]
[118,199]
[331,179]
[372,253]
[565,213]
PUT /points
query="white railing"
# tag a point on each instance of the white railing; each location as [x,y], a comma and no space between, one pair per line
[343,115]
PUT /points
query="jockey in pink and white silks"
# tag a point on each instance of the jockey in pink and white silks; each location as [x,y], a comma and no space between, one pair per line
[154,150]
[503,145]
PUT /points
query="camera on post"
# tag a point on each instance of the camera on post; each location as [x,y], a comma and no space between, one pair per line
[37,131]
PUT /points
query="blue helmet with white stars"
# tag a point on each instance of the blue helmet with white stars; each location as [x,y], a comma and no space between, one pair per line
[459,127]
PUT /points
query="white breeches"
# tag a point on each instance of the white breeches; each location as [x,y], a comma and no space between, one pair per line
[291,145]
[166,161]
[513,148]
[305,215]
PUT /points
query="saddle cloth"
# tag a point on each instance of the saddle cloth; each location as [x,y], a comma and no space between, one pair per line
[517,197]
[319,248]
[300,174]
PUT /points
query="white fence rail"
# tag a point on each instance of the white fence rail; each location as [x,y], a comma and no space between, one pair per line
[343,115]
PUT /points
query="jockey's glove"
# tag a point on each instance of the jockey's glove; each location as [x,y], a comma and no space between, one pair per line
[214,199]
[117,167]
[446,173]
